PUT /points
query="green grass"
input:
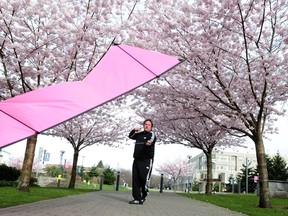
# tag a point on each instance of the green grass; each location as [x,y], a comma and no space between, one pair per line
[245,203]
[9,196]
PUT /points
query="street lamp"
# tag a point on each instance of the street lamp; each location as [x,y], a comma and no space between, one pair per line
[61,157]
[83,160]
[44,155]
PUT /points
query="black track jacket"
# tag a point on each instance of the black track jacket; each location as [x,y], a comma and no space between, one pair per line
[141,151]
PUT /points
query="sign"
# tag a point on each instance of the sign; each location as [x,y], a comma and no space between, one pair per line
[46,156]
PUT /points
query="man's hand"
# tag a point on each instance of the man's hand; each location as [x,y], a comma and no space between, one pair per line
[137,129]
[148,143]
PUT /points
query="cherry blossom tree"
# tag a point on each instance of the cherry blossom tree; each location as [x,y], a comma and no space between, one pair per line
[96,127]
[15,162]
[235,69]
[175,170]
[47,42]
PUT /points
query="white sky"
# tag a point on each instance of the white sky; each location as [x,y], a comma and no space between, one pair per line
[122,157]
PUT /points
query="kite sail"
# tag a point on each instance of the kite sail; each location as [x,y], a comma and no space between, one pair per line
[122,69]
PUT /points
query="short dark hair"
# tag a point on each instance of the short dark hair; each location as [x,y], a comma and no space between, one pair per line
[149,121]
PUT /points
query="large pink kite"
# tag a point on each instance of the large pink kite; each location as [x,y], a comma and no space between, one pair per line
[122,69]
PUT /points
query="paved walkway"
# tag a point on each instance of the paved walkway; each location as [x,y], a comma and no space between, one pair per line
[115,203]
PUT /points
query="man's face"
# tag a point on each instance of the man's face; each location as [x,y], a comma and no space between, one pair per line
[147,126]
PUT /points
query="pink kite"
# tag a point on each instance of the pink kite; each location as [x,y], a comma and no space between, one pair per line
[122,69]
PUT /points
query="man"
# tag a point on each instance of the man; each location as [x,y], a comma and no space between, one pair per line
[143,160]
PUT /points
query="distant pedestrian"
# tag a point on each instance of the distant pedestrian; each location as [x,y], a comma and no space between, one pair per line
[143,160]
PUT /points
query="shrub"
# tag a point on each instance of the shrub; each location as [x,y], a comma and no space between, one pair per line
[9,173]
[33,181]
[9,176]
[109,176]
[4,183]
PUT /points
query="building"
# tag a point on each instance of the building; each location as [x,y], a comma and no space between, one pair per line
[224,165]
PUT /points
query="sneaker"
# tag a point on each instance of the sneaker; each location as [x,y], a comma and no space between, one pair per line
[137,202]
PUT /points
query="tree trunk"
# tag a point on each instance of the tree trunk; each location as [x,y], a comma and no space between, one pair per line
[208,189]
[264,201]
[24,179]
[174,185]
[74,169]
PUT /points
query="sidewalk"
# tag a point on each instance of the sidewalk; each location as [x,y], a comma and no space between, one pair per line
[115,203]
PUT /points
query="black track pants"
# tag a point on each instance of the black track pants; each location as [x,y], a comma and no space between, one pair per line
[141,172]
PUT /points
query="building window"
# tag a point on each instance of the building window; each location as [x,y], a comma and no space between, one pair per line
[224,157]
[224,167]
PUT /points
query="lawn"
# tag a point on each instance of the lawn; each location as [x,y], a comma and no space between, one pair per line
[245,203]
[9,196]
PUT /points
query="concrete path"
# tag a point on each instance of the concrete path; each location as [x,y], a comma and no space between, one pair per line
[115,203]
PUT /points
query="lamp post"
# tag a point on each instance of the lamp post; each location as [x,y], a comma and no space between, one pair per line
[83,160]
[44,155]
[60,166]
[61,157]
